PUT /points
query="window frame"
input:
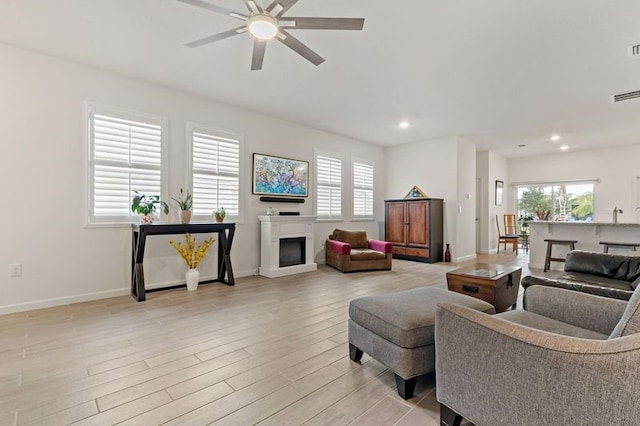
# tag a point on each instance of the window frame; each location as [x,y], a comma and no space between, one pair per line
[214,132]
[367,163]
[336,157]
[516,186]
[90,110]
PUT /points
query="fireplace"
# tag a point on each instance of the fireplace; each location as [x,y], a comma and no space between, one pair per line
[292,251]
[286,245]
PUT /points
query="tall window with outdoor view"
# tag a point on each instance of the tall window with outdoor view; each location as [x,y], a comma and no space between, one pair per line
[558,201]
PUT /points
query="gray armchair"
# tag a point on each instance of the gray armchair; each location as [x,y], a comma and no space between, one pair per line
[569,358]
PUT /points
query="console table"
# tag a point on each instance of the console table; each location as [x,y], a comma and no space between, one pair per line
[225,233]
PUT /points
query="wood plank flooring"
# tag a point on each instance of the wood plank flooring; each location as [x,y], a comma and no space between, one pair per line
[266,351]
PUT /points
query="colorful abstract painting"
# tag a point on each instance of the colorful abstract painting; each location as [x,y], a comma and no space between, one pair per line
[280,176]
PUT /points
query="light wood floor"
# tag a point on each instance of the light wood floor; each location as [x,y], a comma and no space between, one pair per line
[267,351]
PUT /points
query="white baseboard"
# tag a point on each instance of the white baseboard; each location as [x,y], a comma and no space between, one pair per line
[59,301]
[78,298]
[469,257]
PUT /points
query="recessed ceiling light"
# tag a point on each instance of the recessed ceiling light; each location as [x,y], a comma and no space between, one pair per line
[403,124]
[564,147]
[555,138]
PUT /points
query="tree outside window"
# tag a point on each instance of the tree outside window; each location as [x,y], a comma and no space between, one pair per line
[562,202]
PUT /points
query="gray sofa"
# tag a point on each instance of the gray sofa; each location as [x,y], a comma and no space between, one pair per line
[602,274]
[570,358]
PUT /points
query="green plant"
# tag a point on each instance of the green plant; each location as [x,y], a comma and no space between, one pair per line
[220,213]
[146,204]
[185,202]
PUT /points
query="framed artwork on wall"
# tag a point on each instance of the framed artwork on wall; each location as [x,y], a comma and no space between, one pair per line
[499,192]
[280,176]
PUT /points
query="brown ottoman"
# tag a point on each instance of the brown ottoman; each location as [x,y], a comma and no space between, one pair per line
[397,330]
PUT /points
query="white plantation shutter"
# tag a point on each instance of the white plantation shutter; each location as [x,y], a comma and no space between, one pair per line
[362,190]
[216,173]
[126,155]
[329,187]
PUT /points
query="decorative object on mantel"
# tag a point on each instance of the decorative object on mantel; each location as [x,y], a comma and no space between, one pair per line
[280,180]
[145,206]
[220,214]
[271,211]
[415,192]
[193,256]
[185,202]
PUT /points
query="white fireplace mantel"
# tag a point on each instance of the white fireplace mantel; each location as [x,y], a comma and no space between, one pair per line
[275,228]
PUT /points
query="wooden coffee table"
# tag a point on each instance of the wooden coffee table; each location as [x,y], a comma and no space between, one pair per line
[496,284]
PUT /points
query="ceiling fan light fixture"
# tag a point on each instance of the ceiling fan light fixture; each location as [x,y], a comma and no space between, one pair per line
[263,26]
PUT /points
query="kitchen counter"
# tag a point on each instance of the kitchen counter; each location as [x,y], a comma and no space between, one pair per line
[588,234]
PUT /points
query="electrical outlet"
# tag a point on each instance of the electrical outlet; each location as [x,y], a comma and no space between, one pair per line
[15,270]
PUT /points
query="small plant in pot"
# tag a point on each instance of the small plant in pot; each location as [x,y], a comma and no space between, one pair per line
[185,202]
[220,214]
[145,206]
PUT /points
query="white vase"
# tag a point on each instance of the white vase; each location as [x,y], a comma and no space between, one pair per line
[193,276]
[185,216]
[146,219]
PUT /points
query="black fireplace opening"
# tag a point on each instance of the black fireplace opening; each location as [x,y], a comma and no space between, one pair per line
[292,251]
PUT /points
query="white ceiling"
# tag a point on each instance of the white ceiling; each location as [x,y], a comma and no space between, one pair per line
[498,72]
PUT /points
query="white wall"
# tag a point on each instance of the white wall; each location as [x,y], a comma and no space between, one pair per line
[43,170]
[465,223]
[498,170]
[617,169]
[482,174]
[442,168]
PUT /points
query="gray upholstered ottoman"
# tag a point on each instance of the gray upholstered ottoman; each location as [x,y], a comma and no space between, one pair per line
[397,330]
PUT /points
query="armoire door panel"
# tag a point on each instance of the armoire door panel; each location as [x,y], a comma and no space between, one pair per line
[396,223]
[418,223]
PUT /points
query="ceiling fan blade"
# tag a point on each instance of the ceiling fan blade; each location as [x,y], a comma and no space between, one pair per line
[216,37]
[214,8]
[253,6]
[296,45]
[323,23]
[279,7]
[258,54]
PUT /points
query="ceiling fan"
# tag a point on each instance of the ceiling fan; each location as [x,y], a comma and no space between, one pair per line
[268,23]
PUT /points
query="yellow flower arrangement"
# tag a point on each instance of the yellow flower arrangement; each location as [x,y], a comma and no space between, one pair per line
[189,252]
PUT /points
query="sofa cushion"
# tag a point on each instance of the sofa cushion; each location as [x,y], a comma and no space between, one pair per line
[584,287]
[596,280]
[615,266]
[366,254]
[540,322]
[630,321]
[357,239]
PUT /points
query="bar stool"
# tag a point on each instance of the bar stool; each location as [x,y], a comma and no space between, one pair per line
[550,243]
[630,246]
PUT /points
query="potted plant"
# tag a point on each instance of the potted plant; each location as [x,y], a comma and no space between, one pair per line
[220,214]
[192,255]
[185,202]
[145,206]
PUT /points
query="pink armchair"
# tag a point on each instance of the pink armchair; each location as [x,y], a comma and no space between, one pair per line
[350,251]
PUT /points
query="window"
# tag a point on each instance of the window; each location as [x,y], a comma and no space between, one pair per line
[571,201]
[328,187]
[362,190]
[215,166]
[125,155]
